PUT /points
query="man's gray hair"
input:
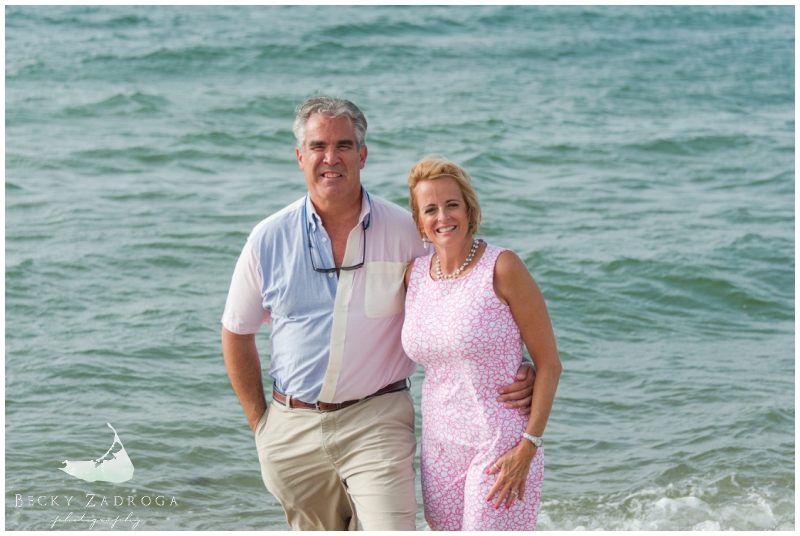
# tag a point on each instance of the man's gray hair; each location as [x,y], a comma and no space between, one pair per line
[329,107]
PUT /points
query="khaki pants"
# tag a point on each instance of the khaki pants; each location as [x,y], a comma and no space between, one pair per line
[325,467]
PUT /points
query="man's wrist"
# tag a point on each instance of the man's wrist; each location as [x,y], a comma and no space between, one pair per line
[256,416]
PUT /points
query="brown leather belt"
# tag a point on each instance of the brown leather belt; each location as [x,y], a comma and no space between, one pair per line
[399,385]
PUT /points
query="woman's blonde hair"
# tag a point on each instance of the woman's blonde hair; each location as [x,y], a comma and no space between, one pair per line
[435,167]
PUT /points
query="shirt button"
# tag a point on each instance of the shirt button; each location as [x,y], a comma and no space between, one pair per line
[324,239]
[330,274]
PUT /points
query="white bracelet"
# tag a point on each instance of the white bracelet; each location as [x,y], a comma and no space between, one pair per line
[537,441]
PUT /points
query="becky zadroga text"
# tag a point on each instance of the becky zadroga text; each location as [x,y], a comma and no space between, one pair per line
[92,500]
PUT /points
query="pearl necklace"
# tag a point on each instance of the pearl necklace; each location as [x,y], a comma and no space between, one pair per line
[442,277]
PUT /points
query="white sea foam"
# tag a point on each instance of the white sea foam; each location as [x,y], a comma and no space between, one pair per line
[673,507]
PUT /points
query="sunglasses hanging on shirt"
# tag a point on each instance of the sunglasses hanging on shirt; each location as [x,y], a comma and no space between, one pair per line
[364,226]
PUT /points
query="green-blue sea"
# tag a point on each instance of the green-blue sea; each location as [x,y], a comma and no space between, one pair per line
[641,161]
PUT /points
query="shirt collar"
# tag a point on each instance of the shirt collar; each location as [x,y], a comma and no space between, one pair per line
[314,219]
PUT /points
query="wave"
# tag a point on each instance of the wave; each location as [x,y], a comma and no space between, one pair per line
[697,504]
[135,103]
[692,146]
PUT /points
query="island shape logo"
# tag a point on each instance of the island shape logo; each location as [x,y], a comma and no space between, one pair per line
[113,466]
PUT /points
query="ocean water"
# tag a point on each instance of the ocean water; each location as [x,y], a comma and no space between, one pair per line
[639,159]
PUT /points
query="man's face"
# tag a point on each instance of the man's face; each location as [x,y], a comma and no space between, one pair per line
[330,159]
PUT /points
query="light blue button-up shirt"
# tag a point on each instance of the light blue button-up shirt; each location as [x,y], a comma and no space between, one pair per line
[274,281]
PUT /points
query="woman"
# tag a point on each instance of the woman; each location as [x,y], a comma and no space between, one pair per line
[469,308]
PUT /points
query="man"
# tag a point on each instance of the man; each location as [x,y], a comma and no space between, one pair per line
[327,273]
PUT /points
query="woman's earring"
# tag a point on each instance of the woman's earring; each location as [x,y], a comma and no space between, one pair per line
[425,242]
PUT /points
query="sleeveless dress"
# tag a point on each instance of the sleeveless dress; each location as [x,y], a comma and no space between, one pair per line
[470,346]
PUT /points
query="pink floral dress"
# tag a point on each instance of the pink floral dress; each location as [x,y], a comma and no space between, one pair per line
[470,346]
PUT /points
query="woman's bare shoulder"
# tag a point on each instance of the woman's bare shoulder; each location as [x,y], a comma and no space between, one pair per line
[511,277]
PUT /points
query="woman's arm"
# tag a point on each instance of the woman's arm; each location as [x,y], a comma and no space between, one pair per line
[514,286]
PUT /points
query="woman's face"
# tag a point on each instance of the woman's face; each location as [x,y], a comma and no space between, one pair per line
[442,211]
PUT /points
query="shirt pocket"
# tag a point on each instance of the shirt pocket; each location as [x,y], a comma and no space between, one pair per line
[385,294]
